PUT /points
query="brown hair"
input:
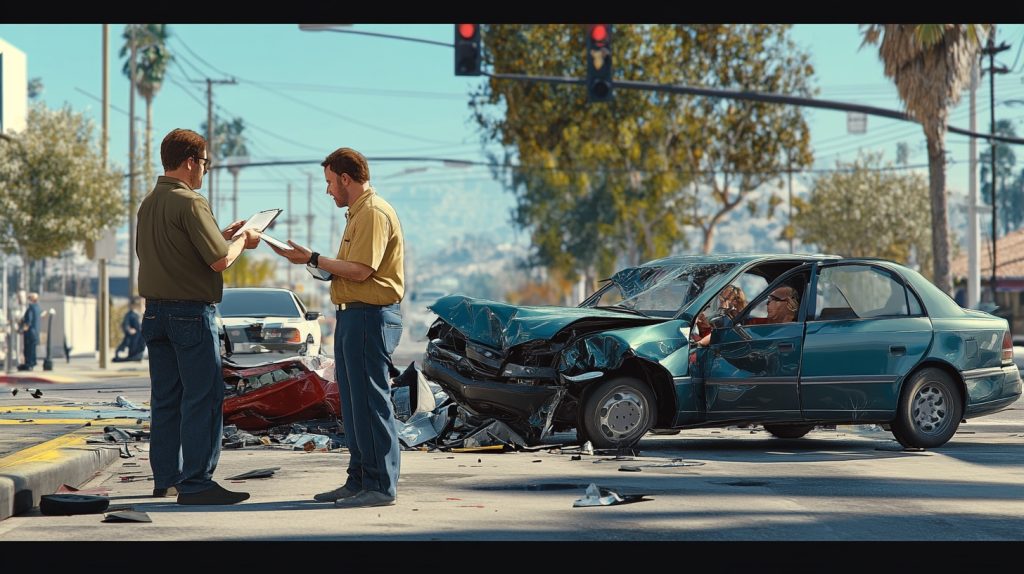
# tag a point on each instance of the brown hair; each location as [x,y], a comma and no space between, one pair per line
[180,145]
[348,160]
[735,297]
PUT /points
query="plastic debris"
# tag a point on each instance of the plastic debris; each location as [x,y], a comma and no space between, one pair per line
[599,496]
[587,448]
[35,393]
[258,473]
[127,516]
[121,401]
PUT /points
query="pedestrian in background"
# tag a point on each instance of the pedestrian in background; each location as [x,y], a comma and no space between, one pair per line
[132,344]
[182,254]
[30,332]
[367,286]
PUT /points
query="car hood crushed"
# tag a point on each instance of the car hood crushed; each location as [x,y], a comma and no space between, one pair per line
[502,326]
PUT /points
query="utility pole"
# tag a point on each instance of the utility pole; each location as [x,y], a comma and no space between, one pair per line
[973,240]
[792,230]
[291,229]
[211,145]
[309,210]
[133,196]
[991,50]
[103,308]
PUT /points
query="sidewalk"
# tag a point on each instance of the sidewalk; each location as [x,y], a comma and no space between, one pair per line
[78,369]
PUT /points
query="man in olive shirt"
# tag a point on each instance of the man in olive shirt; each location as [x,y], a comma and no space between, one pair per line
[367,286]
[181,256]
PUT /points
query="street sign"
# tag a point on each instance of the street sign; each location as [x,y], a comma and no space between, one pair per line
[856,122]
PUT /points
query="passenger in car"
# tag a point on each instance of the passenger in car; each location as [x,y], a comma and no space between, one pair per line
[731,301]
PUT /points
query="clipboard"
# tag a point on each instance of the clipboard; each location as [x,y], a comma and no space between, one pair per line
[259,221]
[274,242]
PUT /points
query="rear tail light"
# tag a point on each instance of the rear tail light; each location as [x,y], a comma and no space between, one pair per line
[1007,348]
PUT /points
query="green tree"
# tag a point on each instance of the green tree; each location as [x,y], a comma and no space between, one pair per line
[1008,190]
[930,65]
[866,209]
[250,272]
[54,190]
[151,60]
[602,184]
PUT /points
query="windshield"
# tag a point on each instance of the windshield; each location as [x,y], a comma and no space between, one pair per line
[246,303]
[657,291]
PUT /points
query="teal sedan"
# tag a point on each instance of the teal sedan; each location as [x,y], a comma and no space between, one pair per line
[785,341]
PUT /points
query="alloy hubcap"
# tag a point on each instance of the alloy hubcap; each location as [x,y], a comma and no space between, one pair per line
[930,409]
[621,413]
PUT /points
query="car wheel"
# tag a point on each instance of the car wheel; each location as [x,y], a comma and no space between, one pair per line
[929,410]
[617,413]
[788,431]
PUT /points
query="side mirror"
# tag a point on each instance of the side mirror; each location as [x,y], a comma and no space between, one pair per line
[720,322]
[312,315]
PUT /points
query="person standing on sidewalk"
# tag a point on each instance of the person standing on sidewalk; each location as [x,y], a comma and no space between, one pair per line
[367,286]
[132,344]
[181,256]
[30,332]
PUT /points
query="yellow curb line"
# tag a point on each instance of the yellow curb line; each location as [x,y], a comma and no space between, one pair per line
[94,422]
[49,451]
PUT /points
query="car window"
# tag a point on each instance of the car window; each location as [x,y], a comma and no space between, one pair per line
[860,291]
[257,303]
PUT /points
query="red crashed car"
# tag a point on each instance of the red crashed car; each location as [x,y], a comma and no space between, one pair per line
[284,391]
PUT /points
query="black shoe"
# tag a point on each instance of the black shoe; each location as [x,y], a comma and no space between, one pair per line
[162,492]
[336,494]
[216,494]
[365,499]
[23,367]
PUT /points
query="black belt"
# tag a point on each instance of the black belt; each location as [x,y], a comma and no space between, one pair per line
[358,305]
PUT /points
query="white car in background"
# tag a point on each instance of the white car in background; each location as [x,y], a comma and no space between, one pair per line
[268,324]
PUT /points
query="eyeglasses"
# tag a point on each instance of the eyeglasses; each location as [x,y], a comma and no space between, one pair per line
[204,161]
[775,298]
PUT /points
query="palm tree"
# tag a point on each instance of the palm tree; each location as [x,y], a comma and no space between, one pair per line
[229,142]
[152,59]
[930,65]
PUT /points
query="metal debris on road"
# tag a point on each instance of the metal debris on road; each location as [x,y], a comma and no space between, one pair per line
[600,496]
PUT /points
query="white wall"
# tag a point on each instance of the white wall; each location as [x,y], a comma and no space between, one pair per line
[75,319]
[13,88]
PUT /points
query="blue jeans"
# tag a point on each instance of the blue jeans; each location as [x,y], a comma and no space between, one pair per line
[187,393]
[364,339]
[29,341]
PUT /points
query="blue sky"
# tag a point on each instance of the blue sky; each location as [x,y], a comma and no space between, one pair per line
[304,94]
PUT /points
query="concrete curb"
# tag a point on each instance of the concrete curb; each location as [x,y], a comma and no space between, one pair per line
[27,475]
[21,379]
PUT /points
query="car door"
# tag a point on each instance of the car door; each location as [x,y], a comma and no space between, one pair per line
[753,367]
[866,330]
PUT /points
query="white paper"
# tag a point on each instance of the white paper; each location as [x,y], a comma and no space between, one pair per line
[259,222]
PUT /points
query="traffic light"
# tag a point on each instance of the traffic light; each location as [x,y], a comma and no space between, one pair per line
[599,62]
[467,49]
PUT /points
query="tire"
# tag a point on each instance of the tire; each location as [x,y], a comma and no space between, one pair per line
[930,410]
[69,504]
[617,413]
[788,431]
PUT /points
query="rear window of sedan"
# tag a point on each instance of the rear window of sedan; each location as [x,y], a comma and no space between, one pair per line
[258,304]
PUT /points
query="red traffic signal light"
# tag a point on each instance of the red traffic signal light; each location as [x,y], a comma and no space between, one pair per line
[467,49]
[599,62]
[466,31]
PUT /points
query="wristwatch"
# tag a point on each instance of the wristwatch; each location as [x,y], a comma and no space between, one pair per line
[314,260]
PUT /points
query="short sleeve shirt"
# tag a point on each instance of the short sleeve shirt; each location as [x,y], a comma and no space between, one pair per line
[177,240]
[373,237]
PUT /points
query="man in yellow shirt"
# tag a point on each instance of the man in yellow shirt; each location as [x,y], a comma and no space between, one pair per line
[367,286]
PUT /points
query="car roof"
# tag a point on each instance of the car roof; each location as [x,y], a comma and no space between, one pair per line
[736,258]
